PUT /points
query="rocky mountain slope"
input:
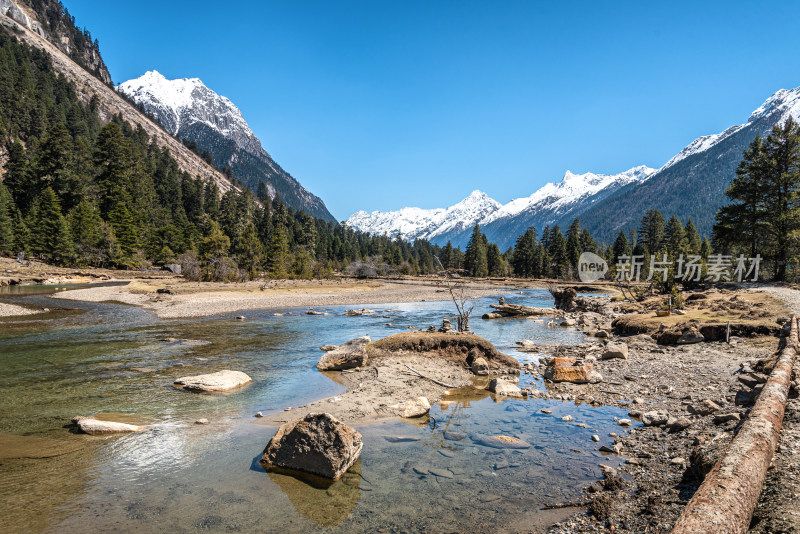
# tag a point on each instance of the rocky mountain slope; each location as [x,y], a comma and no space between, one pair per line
[555,203]
[190,110]
[50,20]
[107,102]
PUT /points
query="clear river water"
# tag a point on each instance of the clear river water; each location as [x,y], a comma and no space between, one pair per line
[120,361]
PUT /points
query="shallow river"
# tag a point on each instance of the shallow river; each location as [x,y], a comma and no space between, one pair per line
[181,477]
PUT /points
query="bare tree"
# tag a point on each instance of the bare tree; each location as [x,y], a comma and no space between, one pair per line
[458,292]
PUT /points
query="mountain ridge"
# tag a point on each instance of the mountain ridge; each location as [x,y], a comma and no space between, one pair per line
[190,110]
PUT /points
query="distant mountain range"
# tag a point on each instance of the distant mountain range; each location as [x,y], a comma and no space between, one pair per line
[187,108]
[690,185]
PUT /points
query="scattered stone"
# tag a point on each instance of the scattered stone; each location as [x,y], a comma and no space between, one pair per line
[595,438]
[569,370]
[546,411]
[446,327]
[328,348]
[654,418]
[678,424]
[690,336]
[704,407]
[413,408]
[90,425]
[721,418]
[662,313]
[501,442]
[454,436]
[526,344]
[624,422]
[602,334]
[318,443]
[442,473]
[201,422]
[240,317]
[679,312]
[400,439]
[480,366]
[353,313]
[678,461]
[503,387]
[225,380]
[346,356]
[568,322]
[314,312]
[567,418]
[615,350]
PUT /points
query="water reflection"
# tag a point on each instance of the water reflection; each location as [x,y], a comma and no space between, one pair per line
[324,502]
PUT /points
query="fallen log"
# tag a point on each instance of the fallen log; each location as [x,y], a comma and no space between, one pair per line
[517,310]
[725,501]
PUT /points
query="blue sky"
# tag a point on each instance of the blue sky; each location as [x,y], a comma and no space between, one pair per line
[379,105]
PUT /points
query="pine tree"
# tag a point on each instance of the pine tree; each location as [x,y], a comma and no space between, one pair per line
[448,256]
[523,260]
[652,232]
[676,240]
[692,237]
[494,260]
[50,235]
[125,229]
[249,251]
[573,244]
[6,221]
[621,246]
[475,255]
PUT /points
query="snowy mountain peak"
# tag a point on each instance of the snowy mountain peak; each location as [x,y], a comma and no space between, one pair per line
[780,106]
[454,223]
[181,103]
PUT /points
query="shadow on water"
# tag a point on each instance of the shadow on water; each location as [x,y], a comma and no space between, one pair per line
[182,477]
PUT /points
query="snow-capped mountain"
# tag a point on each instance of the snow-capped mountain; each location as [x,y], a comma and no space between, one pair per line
[501,223]
[187,108]
[438,224]
[692,184]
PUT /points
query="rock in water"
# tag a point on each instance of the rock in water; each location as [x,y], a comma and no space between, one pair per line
[569,370]
[318,444]
[347,356]
[328,348]
[90,425]
[219,381]
[413,408]
[501,442]
[502,387]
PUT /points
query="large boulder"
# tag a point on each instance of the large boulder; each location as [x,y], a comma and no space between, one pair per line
[570,370]
[90,425]
[347,356]
[318,444]
[214,382]
[480,366]
[690,336]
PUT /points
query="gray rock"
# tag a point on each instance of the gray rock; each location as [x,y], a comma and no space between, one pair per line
[346,356]
[480,366]
[225,380]
[595,438]
[353,313]
[654,418]
[615,350]
[678,424]
[90,425]
[328,348]
[318,444]
[503,387]
[454,436]
[721,418]
[501,442]
[201,422]
[692,335]
[704,407]
[413,408]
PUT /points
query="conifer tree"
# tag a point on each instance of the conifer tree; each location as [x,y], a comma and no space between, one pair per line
[621,246]
[475,256]
[494,260]
[692,238]
[573,244]
[50,235]
[6,221]
[676,240]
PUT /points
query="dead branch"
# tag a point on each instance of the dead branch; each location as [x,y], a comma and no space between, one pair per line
[443,384]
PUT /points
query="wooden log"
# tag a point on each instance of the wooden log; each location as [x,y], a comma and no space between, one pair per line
[725,501]
[518,310]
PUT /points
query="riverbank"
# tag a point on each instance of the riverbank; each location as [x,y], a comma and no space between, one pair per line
[692,399]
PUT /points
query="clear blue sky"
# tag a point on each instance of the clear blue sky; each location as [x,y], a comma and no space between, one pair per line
[379,105]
